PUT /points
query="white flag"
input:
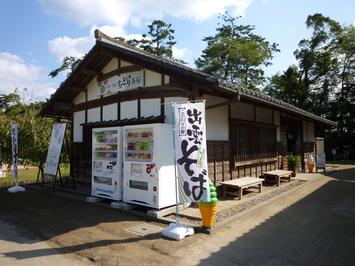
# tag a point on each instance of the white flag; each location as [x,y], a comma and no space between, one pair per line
[191,152]
[14,140]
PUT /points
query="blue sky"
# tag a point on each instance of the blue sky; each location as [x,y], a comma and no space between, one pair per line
[35,35]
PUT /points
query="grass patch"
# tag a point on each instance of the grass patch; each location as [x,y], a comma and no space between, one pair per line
[30,174]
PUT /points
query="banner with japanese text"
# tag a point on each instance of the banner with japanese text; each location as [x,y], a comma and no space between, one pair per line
[191,152]
[14,141]
[55,148]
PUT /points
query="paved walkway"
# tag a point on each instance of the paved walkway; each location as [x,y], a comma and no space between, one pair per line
[13,241]
[312,225]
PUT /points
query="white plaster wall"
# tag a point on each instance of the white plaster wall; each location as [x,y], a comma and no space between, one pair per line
[93,92]
[80,98]
[125,63]
[263,115]
[152,78]
[278,138]
[112,65]
[109,112]
[129,109]
[150,107]
[78,118]
[277,118]
[168,109]
[167,79]
[217,125]
[94,114]
[242,111]
[310,131]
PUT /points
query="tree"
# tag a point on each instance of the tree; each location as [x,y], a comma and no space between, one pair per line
[69,63]
[236,54]
[325,83]
[159,40]
[7,100]
[34,132]
[287,86]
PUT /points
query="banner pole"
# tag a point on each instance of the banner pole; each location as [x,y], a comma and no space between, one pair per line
[175,168]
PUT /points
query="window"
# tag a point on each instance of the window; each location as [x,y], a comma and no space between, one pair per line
[252,141]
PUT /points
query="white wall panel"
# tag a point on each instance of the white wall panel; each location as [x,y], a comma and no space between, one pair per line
[129,109]
[80,98]
[93,92]
[78,119]
[112,65]
[94,115]
[109,112]
[152,78]
[150,107]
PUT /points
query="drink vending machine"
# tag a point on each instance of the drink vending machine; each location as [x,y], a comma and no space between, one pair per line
[107,176]
[149,177]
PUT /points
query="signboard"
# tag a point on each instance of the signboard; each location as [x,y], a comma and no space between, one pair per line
[55,149]
[320,159]
[320,155]
[14,140]
[123,82]
[191,152]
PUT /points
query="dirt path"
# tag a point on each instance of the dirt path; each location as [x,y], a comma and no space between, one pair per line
[311,225]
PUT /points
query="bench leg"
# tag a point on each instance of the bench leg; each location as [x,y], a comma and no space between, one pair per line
[278,181]
[289,178]
[240,193]
[260,185]
[224,191]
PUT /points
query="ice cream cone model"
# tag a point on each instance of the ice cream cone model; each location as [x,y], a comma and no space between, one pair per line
[208,210]
[310,163]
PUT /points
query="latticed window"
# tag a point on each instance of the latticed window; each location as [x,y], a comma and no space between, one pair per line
[253,141]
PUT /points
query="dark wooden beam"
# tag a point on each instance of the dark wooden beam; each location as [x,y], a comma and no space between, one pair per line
[119,71]
[221,104]
[79,89]
[140,93]
[90,72]
[63,106]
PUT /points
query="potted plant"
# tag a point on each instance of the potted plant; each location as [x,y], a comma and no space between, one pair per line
[208,210]
[292,163]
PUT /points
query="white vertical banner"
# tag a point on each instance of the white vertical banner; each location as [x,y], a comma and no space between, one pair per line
[191,152]
[14,140]
[55,149]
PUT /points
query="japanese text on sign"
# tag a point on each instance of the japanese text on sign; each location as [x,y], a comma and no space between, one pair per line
[190,148]
[125,81]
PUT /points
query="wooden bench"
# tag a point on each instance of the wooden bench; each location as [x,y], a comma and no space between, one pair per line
[277,175]
[241,183]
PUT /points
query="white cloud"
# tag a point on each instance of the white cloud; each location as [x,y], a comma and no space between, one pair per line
[122,12]
[180,53]
[16,73]
[115,15]
[78,47]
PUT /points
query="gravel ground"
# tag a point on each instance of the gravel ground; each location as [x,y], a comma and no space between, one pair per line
[224,214]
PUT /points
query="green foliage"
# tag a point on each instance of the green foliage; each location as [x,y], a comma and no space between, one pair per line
[323,81]
[8,100]
[69,63]
[292,162]
[236,54]
[159,40]
[34,133]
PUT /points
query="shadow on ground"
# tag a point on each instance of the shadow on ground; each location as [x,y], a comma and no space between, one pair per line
[317,230]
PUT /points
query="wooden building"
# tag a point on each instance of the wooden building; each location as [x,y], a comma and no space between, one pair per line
[247,132]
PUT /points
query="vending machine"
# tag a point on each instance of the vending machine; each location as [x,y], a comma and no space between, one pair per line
[107,176]
[149,177]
